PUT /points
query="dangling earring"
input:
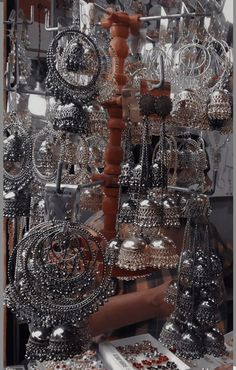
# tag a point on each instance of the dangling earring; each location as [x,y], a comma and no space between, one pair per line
[128,162]
[67,341]
[162,252]
[132,255]
[37,346]
[219,107]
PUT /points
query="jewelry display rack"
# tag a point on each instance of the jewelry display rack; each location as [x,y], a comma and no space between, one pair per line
[121,26]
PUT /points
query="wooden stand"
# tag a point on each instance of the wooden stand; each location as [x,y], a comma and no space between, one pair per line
[120,25]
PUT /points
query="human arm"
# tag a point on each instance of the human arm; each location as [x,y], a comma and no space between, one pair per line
[127,309]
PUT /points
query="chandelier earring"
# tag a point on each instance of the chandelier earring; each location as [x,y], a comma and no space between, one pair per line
[74,64]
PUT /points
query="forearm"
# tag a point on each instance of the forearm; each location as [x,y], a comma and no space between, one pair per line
[130,308]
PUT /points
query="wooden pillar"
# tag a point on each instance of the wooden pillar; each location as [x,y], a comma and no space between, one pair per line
[120,25]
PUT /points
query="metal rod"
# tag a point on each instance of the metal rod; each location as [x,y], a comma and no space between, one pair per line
[33,50]
[91,184]
[150,39]
[185,7]
[26,91]
[59,175]
[184,190]
[173,16]
[188,190]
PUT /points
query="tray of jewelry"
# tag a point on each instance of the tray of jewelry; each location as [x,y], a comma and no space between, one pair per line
[139,352]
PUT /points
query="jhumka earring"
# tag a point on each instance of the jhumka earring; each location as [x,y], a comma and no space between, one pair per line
[128,163]
[68,64]
[162,252]
[17,167]
[132,255]
[71,118]
[196,306]
[54,284]
[219,107]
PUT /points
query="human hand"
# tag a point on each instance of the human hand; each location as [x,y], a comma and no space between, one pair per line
[225,367]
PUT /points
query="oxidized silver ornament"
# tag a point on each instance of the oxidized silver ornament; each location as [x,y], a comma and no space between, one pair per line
[13,148]
[201,275]
[17,175]
[214,342]
[170,334]
[206,312]
[114,246]
[187,105]
[133,254]
[71,118]
[172,293]
[219,107]
[37,346]
[159,174]
[73,70]
[186,272]
[17,203]
[53,274]
[46,155]
[125,174]
[127,212]
[190,345]
[138,180]
[149,214]
[163,252]
[215,266]
[185,303]
[214,291]
[67,341]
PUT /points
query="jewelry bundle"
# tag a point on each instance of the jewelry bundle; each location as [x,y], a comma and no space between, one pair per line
[142,210]
[68,65]
[17,58]
[53,285]
[90,198]
[201,99]
[17,167]
[191,330]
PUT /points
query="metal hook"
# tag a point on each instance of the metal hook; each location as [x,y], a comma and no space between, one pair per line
[150,40]
[28,21]
[47,22]
[214,180]
[162,74]
[11,18]
[31,20]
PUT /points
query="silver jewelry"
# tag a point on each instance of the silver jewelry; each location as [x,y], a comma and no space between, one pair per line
[44,279]
[74,67]
[21,178]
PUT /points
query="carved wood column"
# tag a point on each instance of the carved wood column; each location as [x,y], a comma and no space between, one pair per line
[120,25]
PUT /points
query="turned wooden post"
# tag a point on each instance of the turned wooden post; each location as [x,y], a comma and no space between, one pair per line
[120,25]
